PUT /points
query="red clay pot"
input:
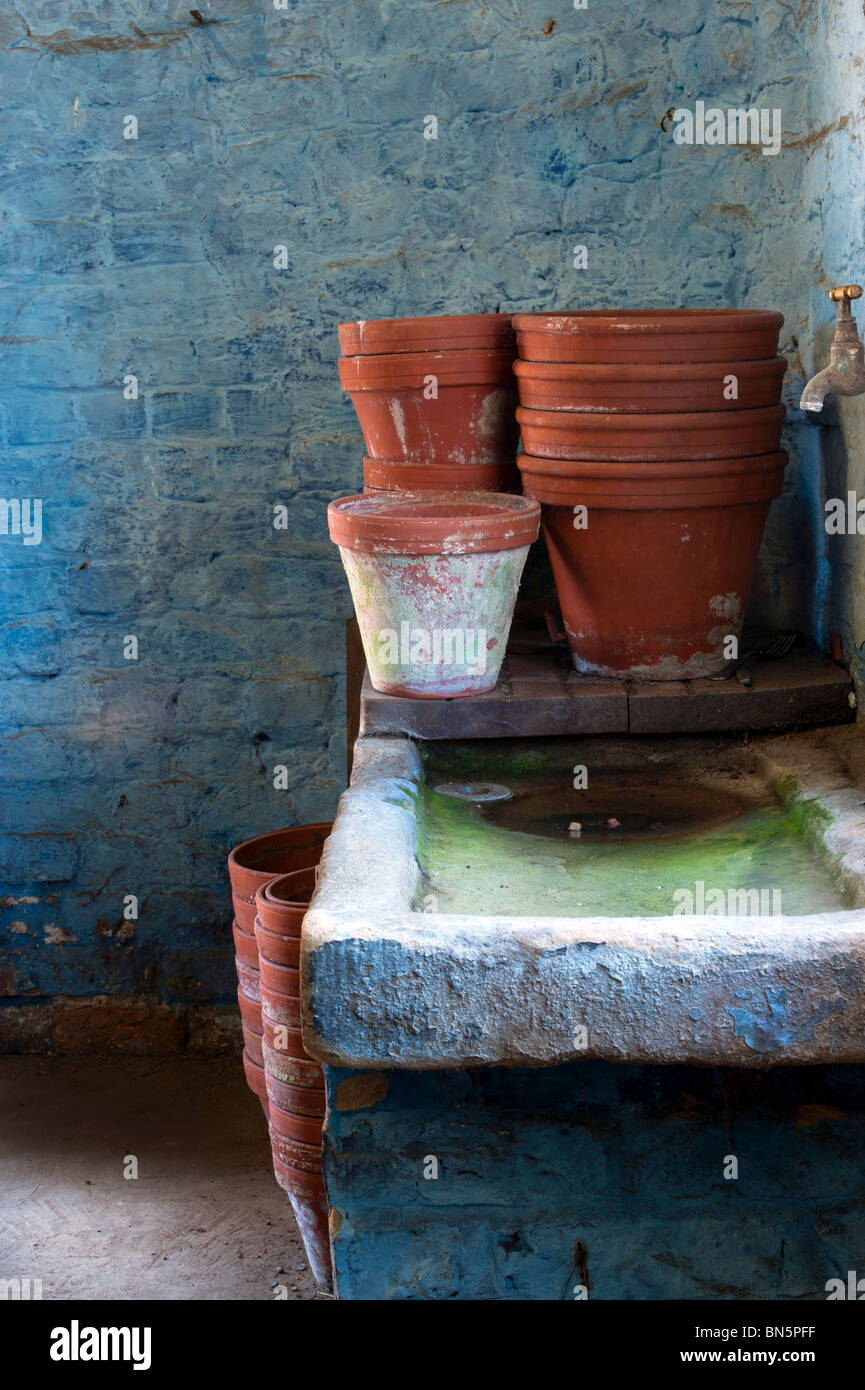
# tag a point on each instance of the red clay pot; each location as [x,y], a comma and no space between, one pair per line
[470,419]
[659,578]
[303,1129]
[298,1181]
[256,1081]
[295,1071]
[436,333]
[389,475]
[280,980]
[707,434]
[281,950]
[432,523]
[434,578]
[280,1010]
[304,1157]
[255,861]
[650,387]
[312,1217]
[245,946]
[253,1040]
[250,1011]
[284,1039]
[300,1100]
[248,979]
[649,335]
[282,903]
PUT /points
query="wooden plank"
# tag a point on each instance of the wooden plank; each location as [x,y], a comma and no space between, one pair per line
[800,690]
[540,695]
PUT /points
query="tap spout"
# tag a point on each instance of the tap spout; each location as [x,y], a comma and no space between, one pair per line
[845,374]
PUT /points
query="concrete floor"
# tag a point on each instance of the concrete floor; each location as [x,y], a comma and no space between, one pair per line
[205,1218]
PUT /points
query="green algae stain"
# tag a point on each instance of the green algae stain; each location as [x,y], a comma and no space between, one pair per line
[472,865]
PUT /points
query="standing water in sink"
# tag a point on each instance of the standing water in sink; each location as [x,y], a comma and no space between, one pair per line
[644,828]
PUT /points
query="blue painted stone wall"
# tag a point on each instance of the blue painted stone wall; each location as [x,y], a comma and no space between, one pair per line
[154,258]
[595,1180]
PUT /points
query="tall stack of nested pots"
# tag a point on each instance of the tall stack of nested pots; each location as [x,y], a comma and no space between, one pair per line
[651,440]
[295,1081]
[278,1069]
[250,865]
[435,398]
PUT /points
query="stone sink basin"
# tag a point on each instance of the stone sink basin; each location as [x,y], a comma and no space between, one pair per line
[561,923]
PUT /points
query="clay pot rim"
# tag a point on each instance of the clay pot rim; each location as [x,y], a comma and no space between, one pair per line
[600,493]
[641,470]
[648,321]
[273,893]
[269,842]
[362,337]
[275,965]
[639,421]
[432,523]
[298,1123]
[406,371]
[650,372]
[280,936]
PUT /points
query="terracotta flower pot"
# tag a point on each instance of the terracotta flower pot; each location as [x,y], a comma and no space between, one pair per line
[434,577]
[281,904]
[296,1180]
[280,980]
[297,1168]
[304,1157]
[252,1041]
[707,434]
[249,1002]
[245,946]
[312,1215]
[283,1010]
[389,475]
[250,1011]
[281,950]
[303,1129]
[659,577]
[649,335]
[248,979]
[255,861]
[300,1100]
[649,387]
[255,1079]
[435,407]
[435,333]
[294,1071]
[284,1039]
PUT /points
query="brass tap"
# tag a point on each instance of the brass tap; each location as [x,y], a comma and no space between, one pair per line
[845,375]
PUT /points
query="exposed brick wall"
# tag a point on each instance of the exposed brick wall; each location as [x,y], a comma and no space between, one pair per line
[154,257]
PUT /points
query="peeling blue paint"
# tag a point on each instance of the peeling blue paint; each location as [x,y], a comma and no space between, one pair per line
[155,257]
[596,1174]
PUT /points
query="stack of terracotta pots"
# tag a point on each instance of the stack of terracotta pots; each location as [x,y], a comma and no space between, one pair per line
[267,961]
[651,440]
[250,865]
[435,398]
[295,1081]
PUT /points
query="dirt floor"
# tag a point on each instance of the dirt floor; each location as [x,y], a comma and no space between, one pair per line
[204,1219]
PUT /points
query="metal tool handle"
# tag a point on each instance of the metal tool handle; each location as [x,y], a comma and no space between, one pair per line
[844,293]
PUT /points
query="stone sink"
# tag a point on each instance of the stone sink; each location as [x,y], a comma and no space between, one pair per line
[567,938]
